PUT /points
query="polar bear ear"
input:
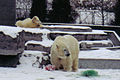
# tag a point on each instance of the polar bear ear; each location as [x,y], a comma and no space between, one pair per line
[34,19]
[57,46]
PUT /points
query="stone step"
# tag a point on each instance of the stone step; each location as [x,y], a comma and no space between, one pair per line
[94,35]
[67,28]
[94,44]
[78,35]
[99,63]
[39,45]
[35,33]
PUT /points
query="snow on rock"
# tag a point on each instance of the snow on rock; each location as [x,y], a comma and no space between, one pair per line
[10,30]
[36,30]
[45,41]
[33,58]
[14,31]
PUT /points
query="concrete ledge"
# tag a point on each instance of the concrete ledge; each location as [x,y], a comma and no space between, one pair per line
[99,63]
[37,47]
[33,36]
[68,28]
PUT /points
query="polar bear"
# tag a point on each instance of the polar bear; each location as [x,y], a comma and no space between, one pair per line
[64,53]
[30,23]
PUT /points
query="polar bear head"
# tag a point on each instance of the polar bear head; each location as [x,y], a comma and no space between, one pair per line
[36,21]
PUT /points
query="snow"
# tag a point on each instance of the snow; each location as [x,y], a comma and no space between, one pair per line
[48,43]
[102,53]
[36,30]
[41,74]
[10,30]
[66,26]
[29,57]
[97,41]
[93,32]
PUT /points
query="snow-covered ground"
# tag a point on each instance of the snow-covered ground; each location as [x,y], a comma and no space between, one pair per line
[38,74]
[25,71]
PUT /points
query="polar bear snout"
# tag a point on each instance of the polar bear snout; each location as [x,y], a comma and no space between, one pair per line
[67,55]
[66,52]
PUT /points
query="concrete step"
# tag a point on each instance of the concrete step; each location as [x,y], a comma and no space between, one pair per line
[95,44]
[39,45]
[67,28]
[99,63]
[94,35]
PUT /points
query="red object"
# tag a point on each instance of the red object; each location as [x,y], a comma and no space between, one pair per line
[50,67]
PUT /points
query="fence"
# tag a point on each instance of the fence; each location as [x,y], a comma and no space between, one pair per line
[94,17]
[89,11]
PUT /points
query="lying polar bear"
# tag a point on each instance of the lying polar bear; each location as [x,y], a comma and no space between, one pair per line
[30,23]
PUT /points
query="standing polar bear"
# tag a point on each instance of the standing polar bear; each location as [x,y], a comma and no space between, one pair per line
[30,23]
[64,53]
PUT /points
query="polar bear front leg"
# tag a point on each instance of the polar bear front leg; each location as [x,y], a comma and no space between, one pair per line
[67,68]
[67,64]
[75,65]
